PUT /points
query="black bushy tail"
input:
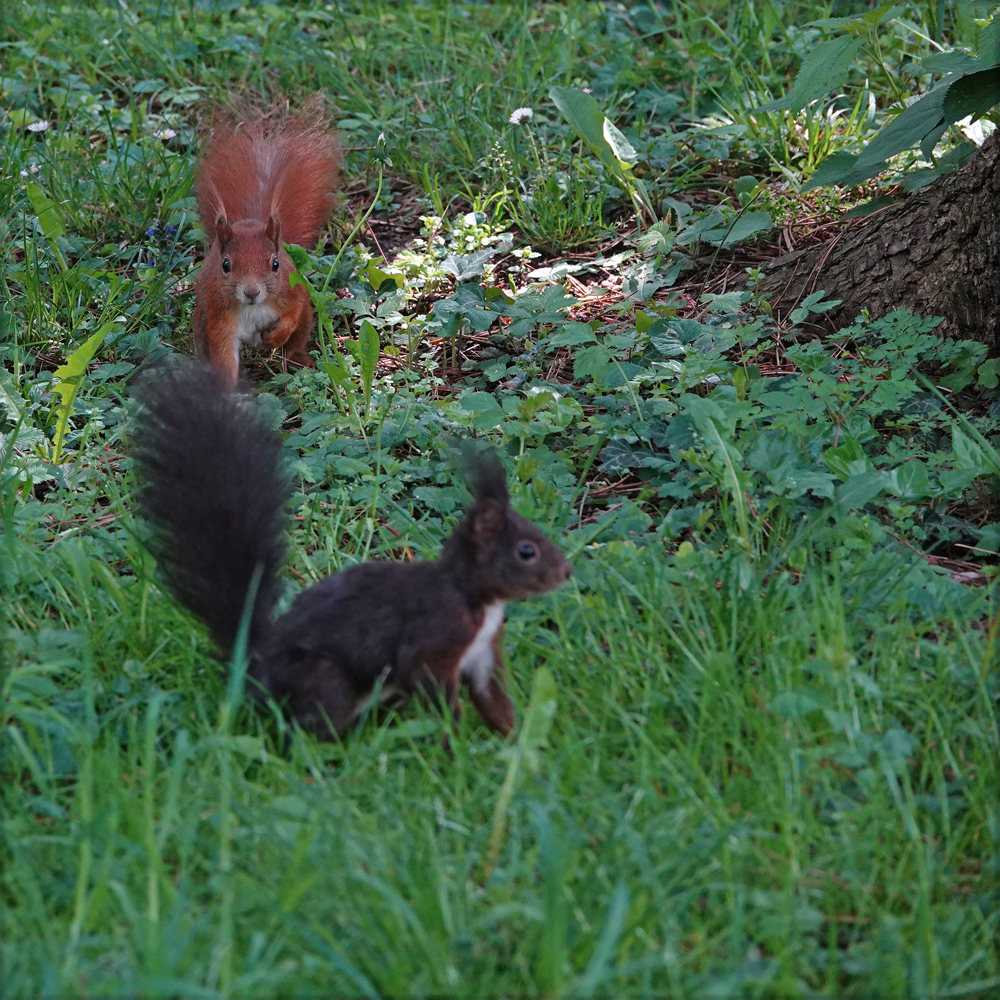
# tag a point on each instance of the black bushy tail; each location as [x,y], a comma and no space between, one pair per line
[214,489]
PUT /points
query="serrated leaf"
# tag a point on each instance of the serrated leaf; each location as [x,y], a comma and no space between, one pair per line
[921,121]
[572,334]
[972,95]
[298,256]
[824,69]
[591,361]
[955,61]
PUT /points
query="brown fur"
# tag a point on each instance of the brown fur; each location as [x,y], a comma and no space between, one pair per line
[265,177]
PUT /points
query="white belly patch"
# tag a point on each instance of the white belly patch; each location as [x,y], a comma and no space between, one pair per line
[252,320]
[477,663]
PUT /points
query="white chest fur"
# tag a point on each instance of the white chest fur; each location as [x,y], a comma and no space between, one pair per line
[252,320]
[476,665]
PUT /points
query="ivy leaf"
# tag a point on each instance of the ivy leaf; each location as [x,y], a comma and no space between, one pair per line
[466,266]
[849,459]
[856,492]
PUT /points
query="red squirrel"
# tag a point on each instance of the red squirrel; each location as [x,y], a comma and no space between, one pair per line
[263,179]
[215,487]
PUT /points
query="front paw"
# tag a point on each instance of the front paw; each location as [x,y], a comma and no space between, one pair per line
[300,358]
[268,339]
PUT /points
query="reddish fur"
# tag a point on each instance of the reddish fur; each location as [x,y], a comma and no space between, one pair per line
[262,181]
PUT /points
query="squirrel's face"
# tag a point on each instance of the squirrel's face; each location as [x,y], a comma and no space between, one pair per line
[250,262]
[514,559]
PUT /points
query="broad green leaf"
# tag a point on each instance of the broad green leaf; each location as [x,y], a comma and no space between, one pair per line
[909,481]
[573,334]
[989,373]
[50,216]
[742,229]
[839,168]
[11,401]
[955,61]
[921,121]
[377,277]
[367,357]
[586,119]
[66,382]
[620,146]
[336,370]
[846,460]
[824,69]
[298,256]
[968,453]
[856,492]
[974,95]
[591,361]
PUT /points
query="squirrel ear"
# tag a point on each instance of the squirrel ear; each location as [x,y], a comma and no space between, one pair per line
[273,231]
[223,231]
[484,473]
[488,521]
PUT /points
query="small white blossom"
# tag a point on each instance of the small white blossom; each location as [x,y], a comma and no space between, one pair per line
[39,126]
[24,173]
[164,133]
[519,115]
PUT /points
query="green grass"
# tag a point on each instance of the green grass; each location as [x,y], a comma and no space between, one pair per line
[774,763]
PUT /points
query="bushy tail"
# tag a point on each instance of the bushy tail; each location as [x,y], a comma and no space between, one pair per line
[259,162]
[214,486]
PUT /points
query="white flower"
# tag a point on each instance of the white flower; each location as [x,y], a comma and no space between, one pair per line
[519,115]
[39,126]
[164,133]
[24,173]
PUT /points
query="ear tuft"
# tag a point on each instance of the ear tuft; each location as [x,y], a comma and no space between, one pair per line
[223,231]
[273,231]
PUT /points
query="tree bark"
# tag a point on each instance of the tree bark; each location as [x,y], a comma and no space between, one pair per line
[936,252]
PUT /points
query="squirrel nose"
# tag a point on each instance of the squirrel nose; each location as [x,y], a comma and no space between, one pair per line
[251,293]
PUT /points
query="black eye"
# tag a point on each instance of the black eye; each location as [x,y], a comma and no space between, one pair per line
[226,265]
[526,551]
[275,265]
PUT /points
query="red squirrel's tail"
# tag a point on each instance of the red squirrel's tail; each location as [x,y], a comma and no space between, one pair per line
[214,486]
[260,163]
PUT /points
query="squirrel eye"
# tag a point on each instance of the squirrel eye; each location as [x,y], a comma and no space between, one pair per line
[526,551]
[275,265]
[226,265]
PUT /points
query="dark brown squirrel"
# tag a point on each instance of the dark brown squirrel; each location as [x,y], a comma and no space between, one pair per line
[265,178]
[215,487]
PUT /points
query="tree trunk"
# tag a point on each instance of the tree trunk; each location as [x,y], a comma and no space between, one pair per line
[936,252]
